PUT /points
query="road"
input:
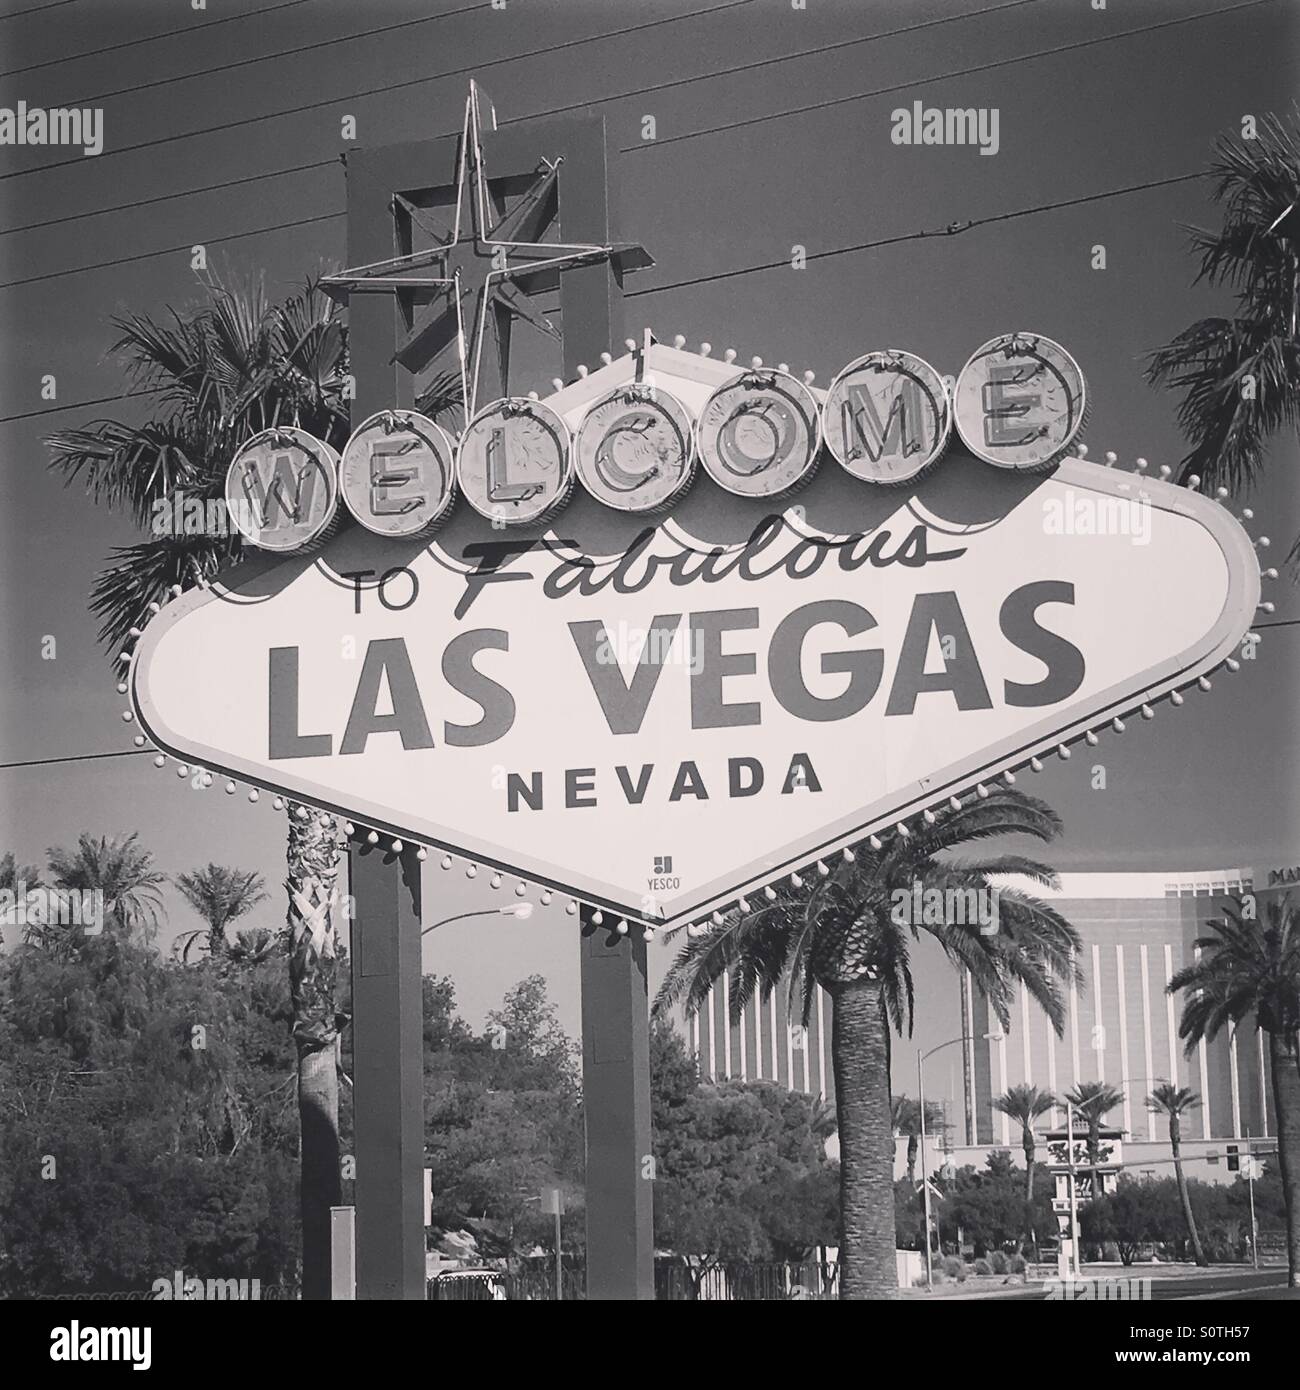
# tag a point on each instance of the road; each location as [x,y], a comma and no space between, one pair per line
[1232,1284]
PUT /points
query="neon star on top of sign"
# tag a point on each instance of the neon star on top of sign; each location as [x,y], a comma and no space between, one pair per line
[494,258]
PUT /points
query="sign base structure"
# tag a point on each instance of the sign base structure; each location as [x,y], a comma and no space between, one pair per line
[659,715]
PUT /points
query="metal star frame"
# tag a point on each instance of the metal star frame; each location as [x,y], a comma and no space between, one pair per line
[493,256]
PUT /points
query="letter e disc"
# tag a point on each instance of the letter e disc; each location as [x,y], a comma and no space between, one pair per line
[634,451]
[282,490]
[1020,401]
[887,417]
[758,435]
[513,463]
[398,474]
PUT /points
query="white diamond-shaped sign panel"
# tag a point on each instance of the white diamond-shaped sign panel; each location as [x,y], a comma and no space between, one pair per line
[659,715]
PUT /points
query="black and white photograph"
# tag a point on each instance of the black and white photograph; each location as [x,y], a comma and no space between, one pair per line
[650,653]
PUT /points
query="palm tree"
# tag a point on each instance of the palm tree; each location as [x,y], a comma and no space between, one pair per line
[17,880]
[121,869]
[1174,1101]
[1251,967]
[848,930]
[1240,376]
[252,947]
[1092,1099]
[219,895]
[1024,1105]
[234,365]
[905,1118]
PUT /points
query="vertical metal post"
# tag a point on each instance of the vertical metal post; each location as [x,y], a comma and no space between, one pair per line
[388,1062]
[925,1179]
[559,1264]
[343,1253]
[1074,1205]
[616,1106]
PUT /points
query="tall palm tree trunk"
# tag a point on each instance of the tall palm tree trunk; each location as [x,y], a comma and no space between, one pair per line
[1029,1146]
[313,968]
[868,1266]
[1284,1058]
[1184,1196]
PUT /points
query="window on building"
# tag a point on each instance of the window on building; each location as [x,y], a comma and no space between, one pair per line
[1234,1161]
[1212,1158]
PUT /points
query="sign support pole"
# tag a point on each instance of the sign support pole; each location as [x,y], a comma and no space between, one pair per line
[615,999]
[388,1064]
[616,1104]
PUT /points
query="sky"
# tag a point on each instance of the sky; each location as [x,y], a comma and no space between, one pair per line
[1090,104]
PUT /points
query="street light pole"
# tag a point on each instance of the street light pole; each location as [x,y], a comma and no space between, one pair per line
[1074,1205]
[520,910]
[925,1180]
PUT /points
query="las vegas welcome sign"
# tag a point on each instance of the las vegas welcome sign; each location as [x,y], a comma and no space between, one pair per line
[684,627]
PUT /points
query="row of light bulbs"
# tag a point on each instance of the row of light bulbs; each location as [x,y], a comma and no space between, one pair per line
[796,879]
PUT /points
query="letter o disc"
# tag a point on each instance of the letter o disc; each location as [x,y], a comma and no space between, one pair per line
[282,490]
[758,435]
[514,463]
[634,450]
[887,417]
[1020,401]
[398,474]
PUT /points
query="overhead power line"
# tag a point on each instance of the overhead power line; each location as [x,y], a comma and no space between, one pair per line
[138,43]
[282,53]
[172,250]
[915,83]
[753,120]
[952,229]
[732,71]
[375,91]
[77,758]
[37,9]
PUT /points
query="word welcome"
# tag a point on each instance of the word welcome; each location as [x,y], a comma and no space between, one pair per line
[33,125]
[1017,404]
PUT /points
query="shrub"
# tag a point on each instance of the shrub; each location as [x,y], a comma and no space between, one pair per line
[936,1277]
[998,1262]
[983,1267]
[1018,1264]
[954,1267]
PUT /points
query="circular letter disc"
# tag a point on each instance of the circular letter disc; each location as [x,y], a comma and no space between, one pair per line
[1019,401]
[513,463]
[398,473]
[282,489]
[758,435]
[634,451]
[887,417]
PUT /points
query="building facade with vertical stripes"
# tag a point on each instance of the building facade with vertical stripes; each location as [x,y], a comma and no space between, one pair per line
[763,1045]
[1121,1025]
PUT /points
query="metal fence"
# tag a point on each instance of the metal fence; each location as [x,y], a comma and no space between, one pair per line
[675,1281]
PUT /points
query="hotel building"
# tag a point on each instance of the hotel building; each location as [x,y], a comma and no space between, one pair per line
[1138,930]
